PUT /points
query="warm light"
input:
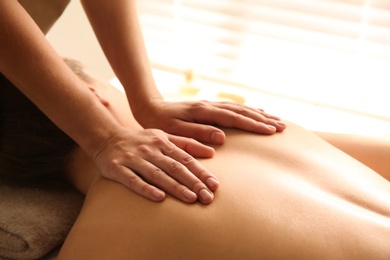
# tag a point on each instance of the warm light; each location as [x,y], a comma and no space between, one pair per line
[366,11]
[323,71]
[332,200]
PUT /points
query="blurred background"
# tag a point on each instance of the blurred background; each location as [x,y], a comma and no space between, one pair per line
[324,64]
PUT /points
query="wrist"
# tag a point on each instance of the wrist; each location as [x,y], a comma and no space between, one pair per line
[96,126]
[108,138]
[143,109]
[145,112]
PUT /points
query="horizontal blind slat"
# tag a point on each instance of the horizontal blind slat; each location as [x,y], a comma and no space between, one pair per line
[223,38]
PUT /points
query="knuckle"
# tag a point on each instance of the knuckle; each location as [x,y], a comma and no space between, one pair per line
[241,109]
[156,174]
[112,168]
[236,118]
[169,149]
[198,185]
[196,105]
[132,181]
[269,122]
[187,159]
[128,156]
[145,189]
[158,140]
[178,188]
[175,167]
[143,148]
[203,175]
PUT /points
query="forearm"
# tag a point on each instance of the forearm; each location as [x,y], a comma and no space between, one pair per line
[119,34]
[28,60]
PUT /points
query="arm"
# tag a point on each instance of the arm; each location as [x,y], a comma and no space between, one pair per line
[372,151]
[31,64]
[119,34]
[293,191]
[28,60]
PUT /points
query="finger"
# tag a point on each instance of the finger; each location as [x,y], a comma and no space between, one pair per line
[185,169]
[151,173]
[238,107]
[271,116]
[177,181]
[197,169]
[228,118]
[275,121]
[128,178]
[192,146]
[168,179]
[192,164]
[202,133]
[185,177]
[256,114]
[170,174]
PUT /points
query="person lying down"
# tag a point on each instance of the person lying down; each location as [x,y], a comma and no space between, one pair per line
[289,195]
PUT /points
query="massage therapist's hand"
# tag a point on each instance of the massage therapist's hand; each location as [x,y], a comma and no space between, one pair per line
[194,119]
[150,162]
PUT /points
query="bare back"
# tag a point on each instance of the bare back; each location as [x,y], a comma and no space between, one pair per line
[290,195]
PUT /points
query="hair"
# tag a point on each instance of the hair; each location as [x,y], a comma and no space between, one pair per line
[32,148]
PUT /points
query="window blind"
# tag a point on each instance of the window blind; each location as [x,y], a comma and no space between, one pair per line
[333,53]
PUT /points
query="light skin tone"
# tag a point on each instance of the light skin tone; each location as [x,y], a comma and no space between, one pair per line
[370,150]
[28,60]
[373,151]
[286,196]
[118,23]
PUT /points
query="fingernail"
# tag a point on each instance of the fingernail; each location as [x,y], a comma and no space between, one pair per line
[189,194]
[212,183]
[206,195]
[217,137]
[158,194]
[280,123]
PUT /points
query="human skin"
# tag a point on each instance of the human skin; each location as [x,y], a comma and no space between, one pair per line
[33,66]
[118,24]
[290,195]
[373,151]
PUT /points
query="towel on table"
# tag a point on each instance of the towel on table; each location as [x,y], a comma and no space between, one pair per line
[35,220]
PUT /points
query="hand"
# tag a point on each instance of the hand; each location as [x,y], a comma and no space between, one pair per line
[150,162]
[194,119]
